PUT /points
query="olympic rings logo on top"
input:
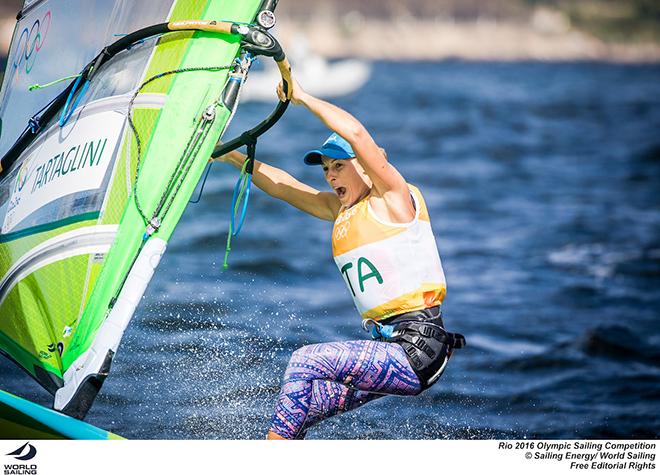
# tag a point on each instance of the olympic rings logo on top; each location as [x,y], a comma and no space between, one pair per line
[341,230]
[346,215]
[30,42]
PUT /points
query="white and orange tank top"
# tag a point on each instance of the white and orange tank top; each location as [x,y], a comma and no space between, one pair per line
[389,268]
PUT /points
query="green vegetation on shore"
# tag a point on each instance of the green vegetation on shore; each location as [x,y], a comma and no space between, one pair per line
[611,20]
[616,21]
[491,30]
[621,21]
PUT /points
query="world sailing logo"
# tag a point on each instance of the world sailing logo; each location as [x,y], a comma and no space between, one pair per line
[24,453]
[30,42]
[29,455]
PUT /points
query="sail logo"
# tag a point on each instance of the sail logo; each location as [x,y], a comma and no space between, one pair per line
[31,41]
[70,162]
[52,348]
[24,453]
[22,177]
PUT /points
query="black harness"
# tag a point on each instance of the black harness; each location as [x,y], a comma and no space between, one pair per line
[423,337]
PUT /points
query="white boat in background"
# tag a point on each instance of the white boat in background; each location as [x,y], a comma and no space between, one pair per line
[316,75]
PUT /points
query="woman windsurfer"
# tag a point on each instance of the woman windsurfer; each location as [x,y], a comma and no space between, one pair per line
[384,247]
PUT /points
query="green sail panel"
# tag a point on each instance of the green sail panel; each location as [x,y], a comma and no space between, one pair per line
[74,260]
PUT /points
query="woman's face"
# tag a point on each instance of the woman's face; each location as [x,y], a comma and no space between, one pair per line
[347,178]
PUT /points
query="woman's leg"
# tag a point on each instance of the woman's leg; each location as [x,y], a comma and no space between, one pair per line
[329,399]
[326,379]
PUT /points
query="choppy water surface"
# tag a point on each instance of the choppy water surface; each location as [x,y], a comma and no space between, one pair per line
[542,182]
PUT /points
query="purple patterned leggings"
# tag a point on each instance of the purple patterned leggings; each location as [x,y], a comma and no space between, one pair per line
[330,378]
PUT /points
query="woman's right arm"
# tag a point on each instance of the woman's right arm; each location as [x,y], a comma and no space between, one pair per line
[279,184]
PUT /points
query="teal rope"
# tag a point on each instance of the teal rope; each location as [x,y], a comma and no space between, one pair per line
[241,193]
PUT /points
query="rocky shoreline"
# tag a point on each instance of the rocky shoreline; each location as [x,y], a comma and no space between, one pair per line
[546,37]
[476,41]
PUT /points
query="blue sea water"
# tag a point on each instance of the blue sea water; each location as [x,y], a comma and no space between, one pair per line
[543,185]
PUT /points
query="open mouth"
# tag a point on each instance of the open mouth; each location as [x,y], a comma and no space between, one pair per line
[341,191]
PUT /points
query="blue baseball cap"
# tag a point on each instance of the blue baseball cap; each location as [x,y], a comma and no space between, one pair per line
[334,147]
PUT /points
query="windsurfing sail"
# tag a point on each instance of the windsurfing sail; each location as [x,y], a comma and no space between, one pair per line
[97,170]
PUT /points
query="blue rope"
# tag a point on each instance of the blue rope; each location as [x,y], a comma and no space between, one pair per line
[241,189]
[68,111]
[244,183]
[201,188]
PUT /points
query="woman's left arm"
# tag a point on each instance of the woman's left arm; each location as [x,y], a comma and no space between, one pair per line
[386,179]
